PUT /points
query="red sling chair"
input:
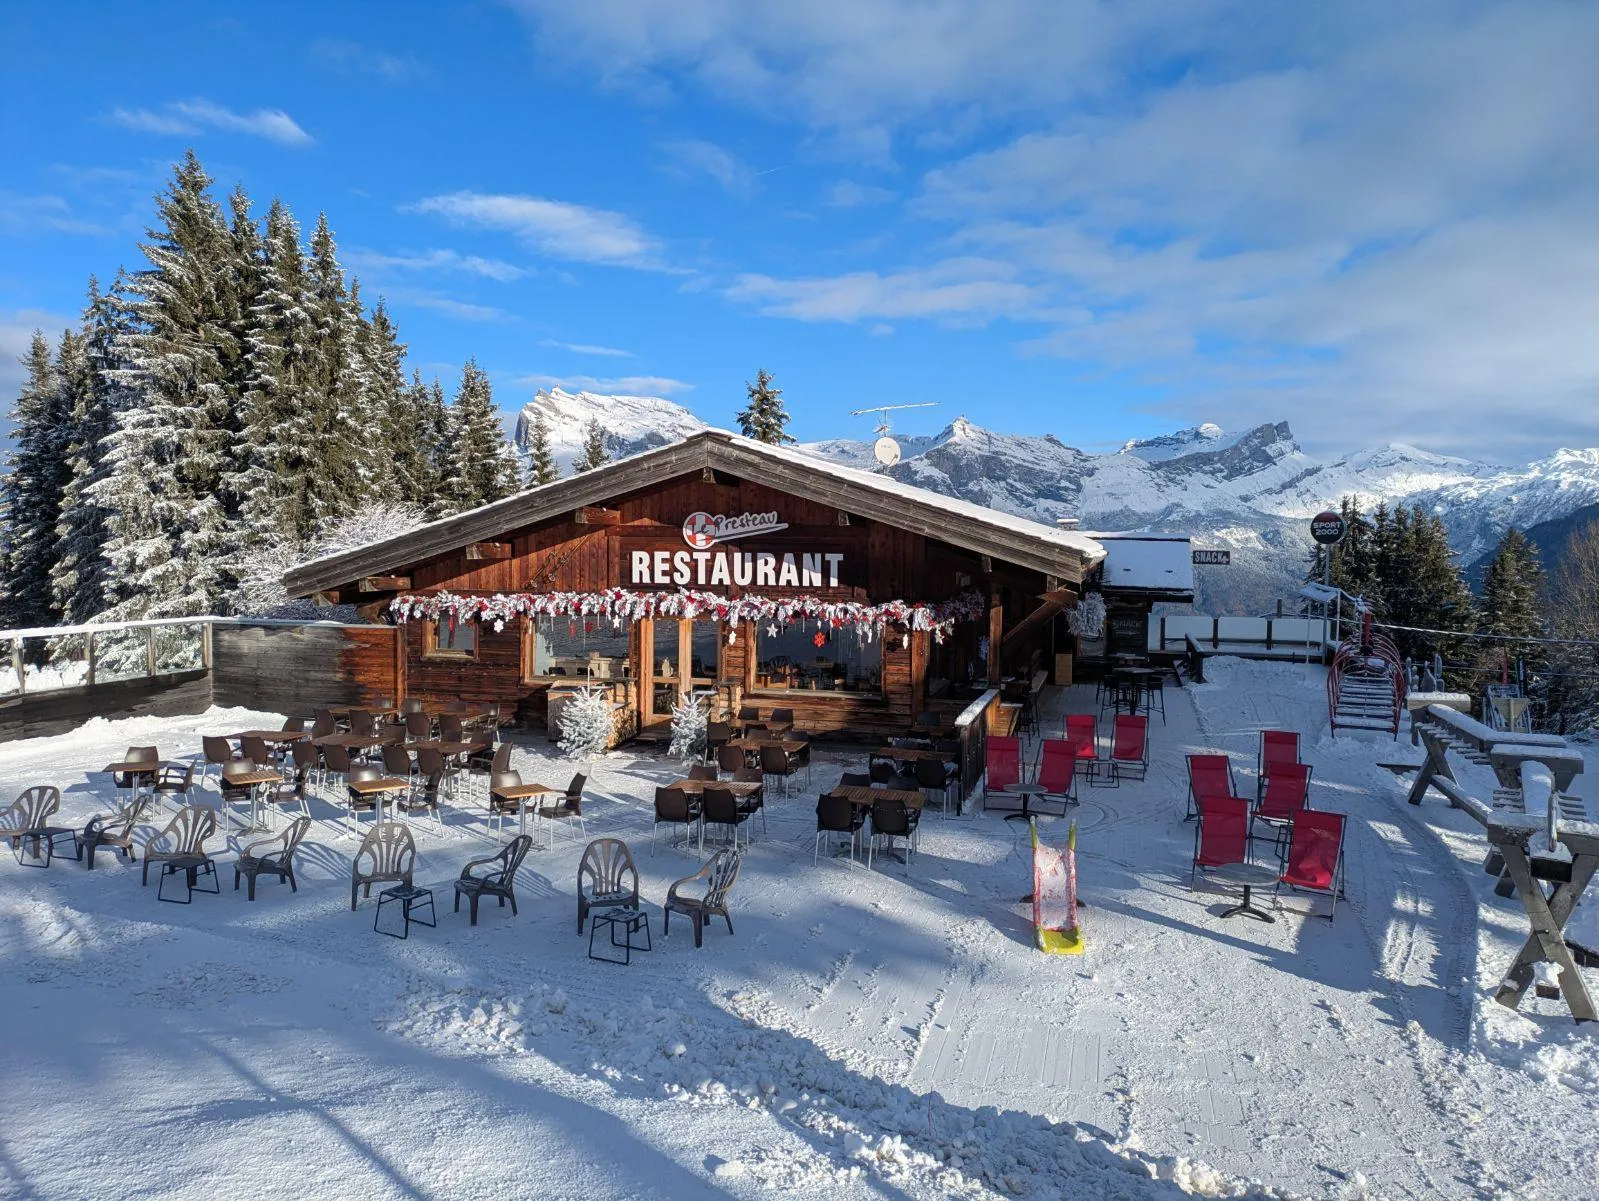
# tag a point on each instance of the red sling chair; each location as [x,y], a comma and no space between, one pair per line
[1208,775]
[1129,748]
[1276,746]
[1004,768]
[1316,856]
[1083,729]
[1223,832]
[1286,794]
[1057,768]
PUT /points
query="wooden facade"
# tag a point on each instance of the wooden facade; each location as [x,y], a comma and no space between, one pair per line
[601,543]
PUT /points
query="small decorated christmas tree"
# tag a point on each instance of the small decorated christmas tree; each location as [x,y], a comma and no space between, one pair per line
[587,724]
[689,719]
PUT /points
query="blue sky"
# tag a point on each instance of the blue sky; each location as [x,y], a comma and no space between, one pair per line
[1101,221]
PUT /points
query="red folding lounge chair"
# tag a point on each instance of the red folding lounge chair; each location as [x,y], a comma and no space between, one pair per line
[1316,856]
[1276,746]
[1208,775]
[1004,766]
[1057,769]
[1129,747]
[1083,729]
[1223,832]
[1286,794]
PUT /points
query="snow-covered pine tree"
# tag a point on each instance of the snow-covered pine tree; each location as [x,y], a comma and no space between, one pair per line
[541,465]
[594,453]
[482,465]
[690,722]
[171,549]
[338,481]
[1512,588]
[398,439]
[33,486]
[765,419]
[1568,686]
[434,422]
[79,578]
[588,723]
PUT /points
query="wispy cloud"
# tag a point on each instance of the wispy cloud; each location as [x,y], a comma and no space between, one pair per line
[449,306]
[956,291]
[626,385]
[608,352]
[22,215]
[436,260]
[555,228]
[847,194]
[365,60]
[692,156]
[189,118]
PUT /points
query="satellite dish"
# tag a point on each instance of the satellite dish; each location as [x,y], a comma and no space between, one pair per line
[887,451]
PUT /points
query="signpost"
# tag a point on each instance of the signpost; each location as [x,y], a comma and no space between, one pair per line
[1213,558]
[1328,529]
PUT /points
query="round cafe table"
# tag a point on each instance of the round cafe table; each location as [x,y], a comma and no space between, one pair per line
[1027,792]
[1247,876]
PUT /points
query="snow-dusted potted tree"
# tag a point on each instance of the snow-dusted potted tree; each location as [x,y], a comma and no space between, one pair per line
[689,722]
[588,723]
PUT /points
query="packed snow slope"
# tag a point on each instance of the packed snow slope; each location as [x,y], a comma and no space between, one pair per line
[864,1034]
[1250,491]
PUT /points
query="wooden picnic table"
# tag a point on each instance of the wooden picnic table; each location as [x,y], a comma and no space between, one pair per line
[740,788]
[270,736]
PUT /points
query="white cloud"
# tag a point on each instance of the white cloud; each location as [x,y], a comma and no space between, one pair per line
[191,117]
[692,156]
[608,352]
[847,194]
[365,60]
[436,260]
[552,227]
[956,291]
[626,385]
[23,215]
[450,307]
[16,335]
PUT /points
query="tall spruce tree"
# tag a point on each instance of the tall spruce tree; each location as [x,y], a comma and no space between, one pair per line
[171,549]
[1512,588]
[79,578]
[541,465]
[33,486]
[339,481]
[482,467]
[437,433]
[594,453]
[397,437]
[765,418]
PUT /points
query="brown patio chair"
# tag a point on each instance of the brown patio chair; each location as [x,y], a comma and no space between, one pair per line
[274,856]
[387,855]
[499,881]
[606,878]
[719,807]
[112,830]
[704,771]
[450,729]
[775,761]
[307,762]
[418,725]
[294,725]
[175,779]
[181,848]
[217,750]
[836,815]
[755,802]
[730,758]
[362,723]
[855,779]
[411,705]
[674,807]
[141,777]
[716,734]
[781,717]
[719,874]
[28,820]
[255,750]
[570,807]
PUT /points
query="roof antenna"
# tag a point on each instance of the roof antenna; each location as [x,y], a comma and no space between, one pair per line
[885,448]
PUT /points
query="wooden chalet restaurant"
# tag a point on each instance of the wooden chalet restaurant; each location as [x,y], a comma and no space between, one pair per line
[747,573]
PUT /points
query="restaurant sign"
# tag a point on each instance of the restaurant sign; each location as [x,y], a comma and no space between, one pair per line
[707,566]
[703,531]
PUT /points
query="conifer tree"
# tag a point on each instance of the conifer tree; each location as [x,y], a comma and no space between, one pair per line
[1512,588]
[765,418]
[397,448]
[338,480]
[541,465]
[437,499]
[594,453]
[170,549]
[34,484]
[482,467]
[79,578]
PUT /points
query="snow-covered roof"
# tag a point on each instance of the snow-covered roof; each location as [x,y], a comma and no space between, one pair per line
[1006,537]
[1152,562]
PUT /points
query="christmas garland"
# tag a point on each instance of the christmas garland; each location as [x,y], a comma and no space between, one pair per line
[619,605]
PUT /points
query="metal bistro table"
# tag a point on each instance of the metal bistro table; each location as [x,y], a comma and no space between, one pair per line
[1027,792]
[259,781]
[1247,876]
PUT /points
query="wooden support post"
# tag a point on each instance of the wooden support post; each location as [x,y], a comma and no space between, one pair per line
[1547,943]
[205,645]
[16,665]
[398,583]
[88,656]
[149,650]
[1437,764]
[996,639]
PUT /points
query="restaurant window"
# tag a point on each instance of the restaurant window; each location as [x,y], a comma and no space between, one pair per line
[457,640]
[842,662]
[575,648]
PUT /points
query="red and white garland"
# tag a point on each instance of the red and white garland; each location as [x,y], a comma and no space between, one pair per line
[619,605]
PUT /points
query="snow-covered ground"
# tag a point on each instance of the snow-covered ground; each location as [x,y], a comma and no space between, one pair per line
[885,1034]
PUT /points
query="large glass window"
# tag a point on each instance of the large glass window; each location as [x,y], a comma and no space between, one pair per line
[840,662]
[445,638]
[579,648]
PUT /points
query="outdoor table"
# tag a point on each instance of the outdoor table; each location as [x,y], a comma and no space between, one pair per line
[913,754]
[631,921]
[139,773]
[739,788]
[775,728]
[379,788]
[1027,792]
[449,748]
[520,793]
[351,742]
[257,780]
[746,745]
[409,898]
[376,711]
[279,737]
[867,797]
[1247,876]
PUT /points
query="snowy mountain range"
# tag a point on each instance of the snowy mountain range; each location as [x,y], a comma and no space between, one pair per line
[1250,491]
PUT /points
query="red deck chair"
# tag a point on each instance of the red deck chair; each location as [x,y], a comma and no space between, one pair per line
[1285,796]
[1129,747]
[1316,856]
[1276,746]
[1208,775]
[1004,764]
[1083,729]
[1057,768]
[1223,832]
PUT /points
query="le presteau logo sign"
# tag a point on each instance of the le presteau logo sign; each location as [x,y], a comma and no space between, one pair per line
[703,567]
